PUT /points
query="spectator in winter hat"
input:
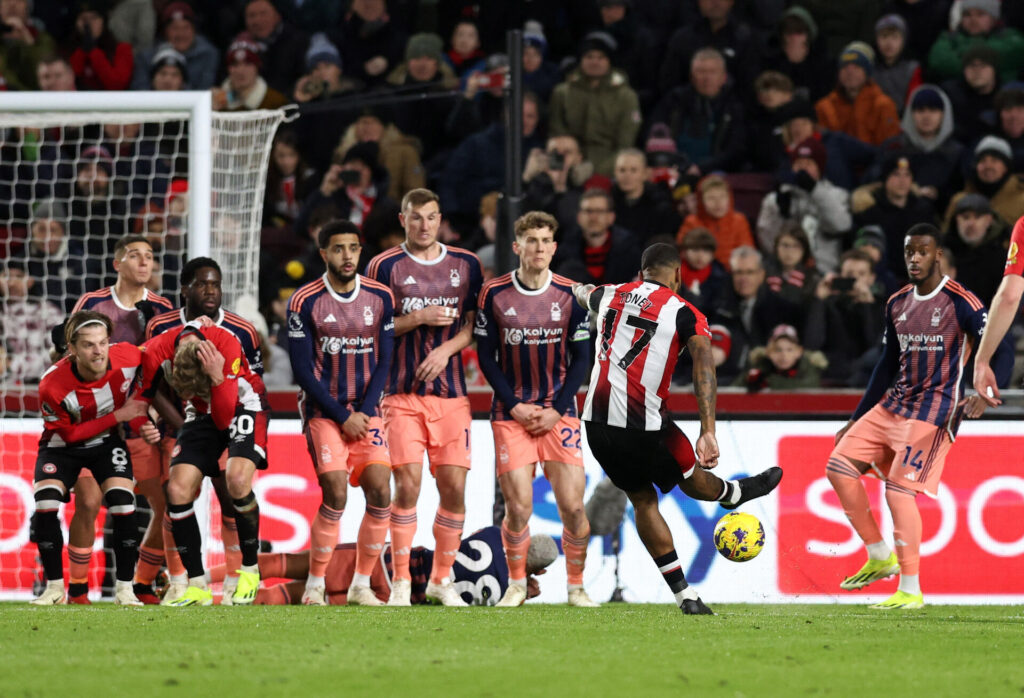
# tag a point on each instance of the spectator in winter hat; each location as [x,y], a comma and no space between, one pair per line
[168,70]
[992,177]
[539,74]
[244,87]
[979,25]
[858,106]
[178,30]
[596,105]
[978,240]
[810,202]
[324,78]
[895,73]
[973,92]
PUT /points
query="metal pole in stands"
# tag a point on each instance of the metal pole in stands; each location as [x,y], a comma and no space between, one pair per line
[512,201]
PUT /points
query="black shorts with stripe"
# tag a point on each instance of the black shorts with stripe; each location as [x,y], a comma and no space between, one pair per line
[201,443]
[105,460]
[634,459]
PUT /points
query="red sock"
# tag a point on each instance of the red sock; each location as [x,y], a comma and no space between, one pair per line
[78,564]
[846,482]
[373,531]
[906,524]
[149,564]
[517,544]
[403,530]
[175,567]
[447,537]
[232,551]
[323,535]
[574,545]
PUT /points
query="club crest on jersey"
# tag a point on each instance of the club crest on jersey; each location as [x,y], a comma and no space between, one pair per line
[936,317]
[367,315]
[325,453]
[455,278]
[127,384]
[556,312]
[176,450]
[49,468]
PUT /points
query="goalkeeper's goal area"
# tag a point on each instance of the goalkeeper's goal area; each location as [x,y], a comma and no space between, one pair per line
[79,170]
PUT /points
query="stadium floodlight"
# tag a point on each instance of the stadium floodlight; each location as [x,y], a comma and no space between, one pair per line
[95,166]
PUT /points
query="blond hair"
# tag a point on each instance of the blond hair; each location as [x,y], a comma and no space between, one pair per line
[414,198]
[82,318]
[187,376]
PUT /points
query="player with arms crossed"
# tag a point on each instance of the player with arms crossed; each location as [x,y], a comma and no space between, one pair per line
[226,409]
[1004,308]
[84,396]
[534,348]
[643,327]
[340,339]
[902,430]
[426,408]
[201,290]
[129,305]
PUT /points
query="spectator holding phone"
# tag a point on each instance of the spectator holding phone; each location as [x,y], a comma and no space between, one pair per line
[851,317]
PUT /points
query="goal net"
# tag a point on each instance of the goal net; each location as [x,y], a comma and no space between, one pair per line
[77,172]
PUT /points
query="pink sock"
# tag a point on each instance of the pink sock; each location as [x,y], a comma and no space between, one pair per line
[78,564]
[373,531]
[906,524]
[403,530]
[517,544]
[447,537]
[149,564]
[574,545]
[323,536]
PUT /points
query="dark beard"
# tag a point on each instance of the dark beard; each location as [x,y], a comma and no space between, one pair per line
[338,276]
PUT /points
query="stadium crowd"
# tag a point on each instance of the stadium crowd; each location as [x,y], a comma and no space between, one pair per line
[784,147]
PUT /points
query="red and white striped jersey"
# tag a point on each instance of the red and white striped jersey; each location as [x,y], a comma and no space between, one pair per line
[642,328]
[81,414]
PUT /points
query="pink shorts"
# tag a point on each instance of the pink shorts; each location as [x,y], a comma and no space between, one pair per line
[331,452]
[437,426]
[150,461]
[515,447]
[908,452]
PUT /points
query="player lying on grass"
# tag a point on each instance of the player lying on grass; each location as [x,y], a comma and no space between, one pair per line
[226,409]
[908,418]
[643,326]
[84,398]
[480,571]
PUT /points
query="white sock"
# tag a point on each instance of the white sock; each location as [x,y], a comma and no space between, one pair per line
[360,580]
[198,582]
[571,587]
[686,593]
[910,583]
[119,585]
[55,584]
[879,550]
[251,569]
[312,582]
[732,492]
[517,582]
[178,579]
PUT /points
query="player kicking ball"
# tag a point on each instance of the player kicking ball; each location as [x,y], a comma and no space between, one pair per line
[340,339]
[908,417]
[643,327]
[85,396]
[226,409]
[534,348]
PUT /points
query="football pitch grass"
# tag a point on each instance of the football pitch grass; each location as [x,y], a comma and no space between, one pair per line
[538,650]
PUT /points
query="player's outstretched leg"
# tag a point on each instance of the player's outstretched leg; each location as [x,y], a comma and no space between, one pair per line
[657,538]
[844,475]
[753,487]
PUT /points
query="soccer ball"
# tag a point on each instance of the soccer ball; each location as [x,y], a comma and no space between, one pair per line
[739,536]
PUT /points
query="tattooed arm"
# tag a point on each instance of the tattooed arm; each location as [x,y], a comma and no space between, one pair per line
[705,388]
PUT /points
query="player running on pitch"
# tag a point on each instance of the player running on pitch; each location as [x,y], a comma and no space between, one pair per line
[643,326]
[84,397]
[534,347]
[340,339]
[901,431]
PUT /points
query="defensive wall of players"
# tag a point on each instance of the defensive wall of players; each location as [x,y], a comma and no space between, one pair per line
[975,524]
